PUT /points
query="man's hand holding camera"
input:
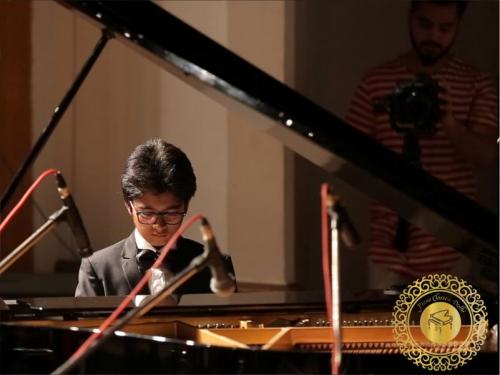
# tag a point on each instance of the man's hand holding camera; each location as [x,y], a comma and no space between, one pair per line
[473,142]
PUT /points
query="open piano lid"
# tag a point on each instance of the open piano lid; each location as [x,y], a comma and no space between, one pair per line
[301,125]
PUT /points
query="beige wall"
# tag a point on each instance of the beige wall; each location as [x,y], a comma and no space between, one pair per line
[115,109]
[52,72]
[127,99]
[260,220]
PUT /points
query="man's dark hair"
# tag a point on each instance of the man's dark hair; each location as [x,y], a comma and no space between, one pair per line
[158,167]
[461,5]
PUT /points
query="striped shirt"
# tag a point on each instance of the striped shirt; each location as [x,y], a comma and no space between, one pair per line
[474,98]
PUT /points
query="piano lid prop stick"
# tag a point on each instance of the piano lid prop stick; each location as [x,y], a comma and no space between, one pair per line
[56,117]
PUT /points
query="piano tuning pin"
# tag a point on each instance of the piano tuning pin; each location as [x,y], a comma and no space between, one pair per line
[244,324]
[303,322]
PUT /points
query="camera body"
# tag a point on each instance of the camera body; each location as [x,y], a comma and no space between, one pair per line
[413,106]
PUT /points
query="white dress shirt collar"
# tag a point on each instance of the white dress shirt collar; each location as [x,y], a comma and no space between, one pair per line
[141,242]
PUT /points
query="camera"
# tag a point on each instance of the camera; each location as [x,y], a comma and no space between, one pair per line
[413,106]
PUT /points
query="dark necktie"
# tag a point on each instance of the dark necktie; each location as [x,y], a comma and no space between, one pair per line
[145,259]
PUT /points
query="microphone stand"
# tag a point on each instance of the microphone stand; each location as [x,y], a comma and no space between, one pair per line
[335,271]
[32,240]
[196,265]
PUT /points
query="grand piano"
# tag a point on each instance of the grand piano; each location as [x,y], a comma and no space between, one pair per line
[278,332]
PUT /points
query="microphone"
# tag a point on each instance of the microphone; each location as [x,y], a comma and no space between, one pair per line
[346,229]
[223,282]
[73,218]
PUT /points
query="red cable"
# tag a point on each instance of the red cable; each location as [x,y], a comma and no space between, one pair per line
[25,197]
[163,253]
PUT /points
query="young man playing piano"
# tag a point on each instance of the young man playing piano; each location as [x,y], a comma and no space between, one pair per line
[465,138]
[158,183]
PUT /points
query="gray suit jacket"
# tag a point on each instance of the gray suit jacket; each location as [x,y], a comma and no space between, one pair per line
[115,270]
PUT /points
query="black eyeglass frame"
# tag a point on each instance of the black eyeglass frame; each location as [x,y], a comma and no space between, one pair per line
[156,215]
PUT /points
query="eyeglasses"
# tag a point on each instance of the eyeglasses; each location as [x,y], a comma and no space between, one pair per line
[151,217]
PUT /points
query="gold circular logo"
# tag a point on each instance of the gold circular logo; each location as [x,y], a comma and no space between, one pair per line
[440,322]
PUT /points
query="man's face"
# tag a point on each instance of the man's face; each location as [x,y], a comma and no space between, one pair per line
[433,29]
[157,217]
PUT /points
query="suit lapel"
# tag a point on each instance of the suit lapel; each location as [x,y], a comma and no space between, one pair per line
[129,262]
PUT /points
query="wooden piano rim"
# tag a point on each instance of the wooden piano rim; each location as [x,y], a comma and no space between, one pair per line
[266,338]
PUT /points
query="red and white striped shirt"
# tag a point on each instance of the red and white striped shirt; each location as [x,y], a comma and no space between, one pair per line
[474,98]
